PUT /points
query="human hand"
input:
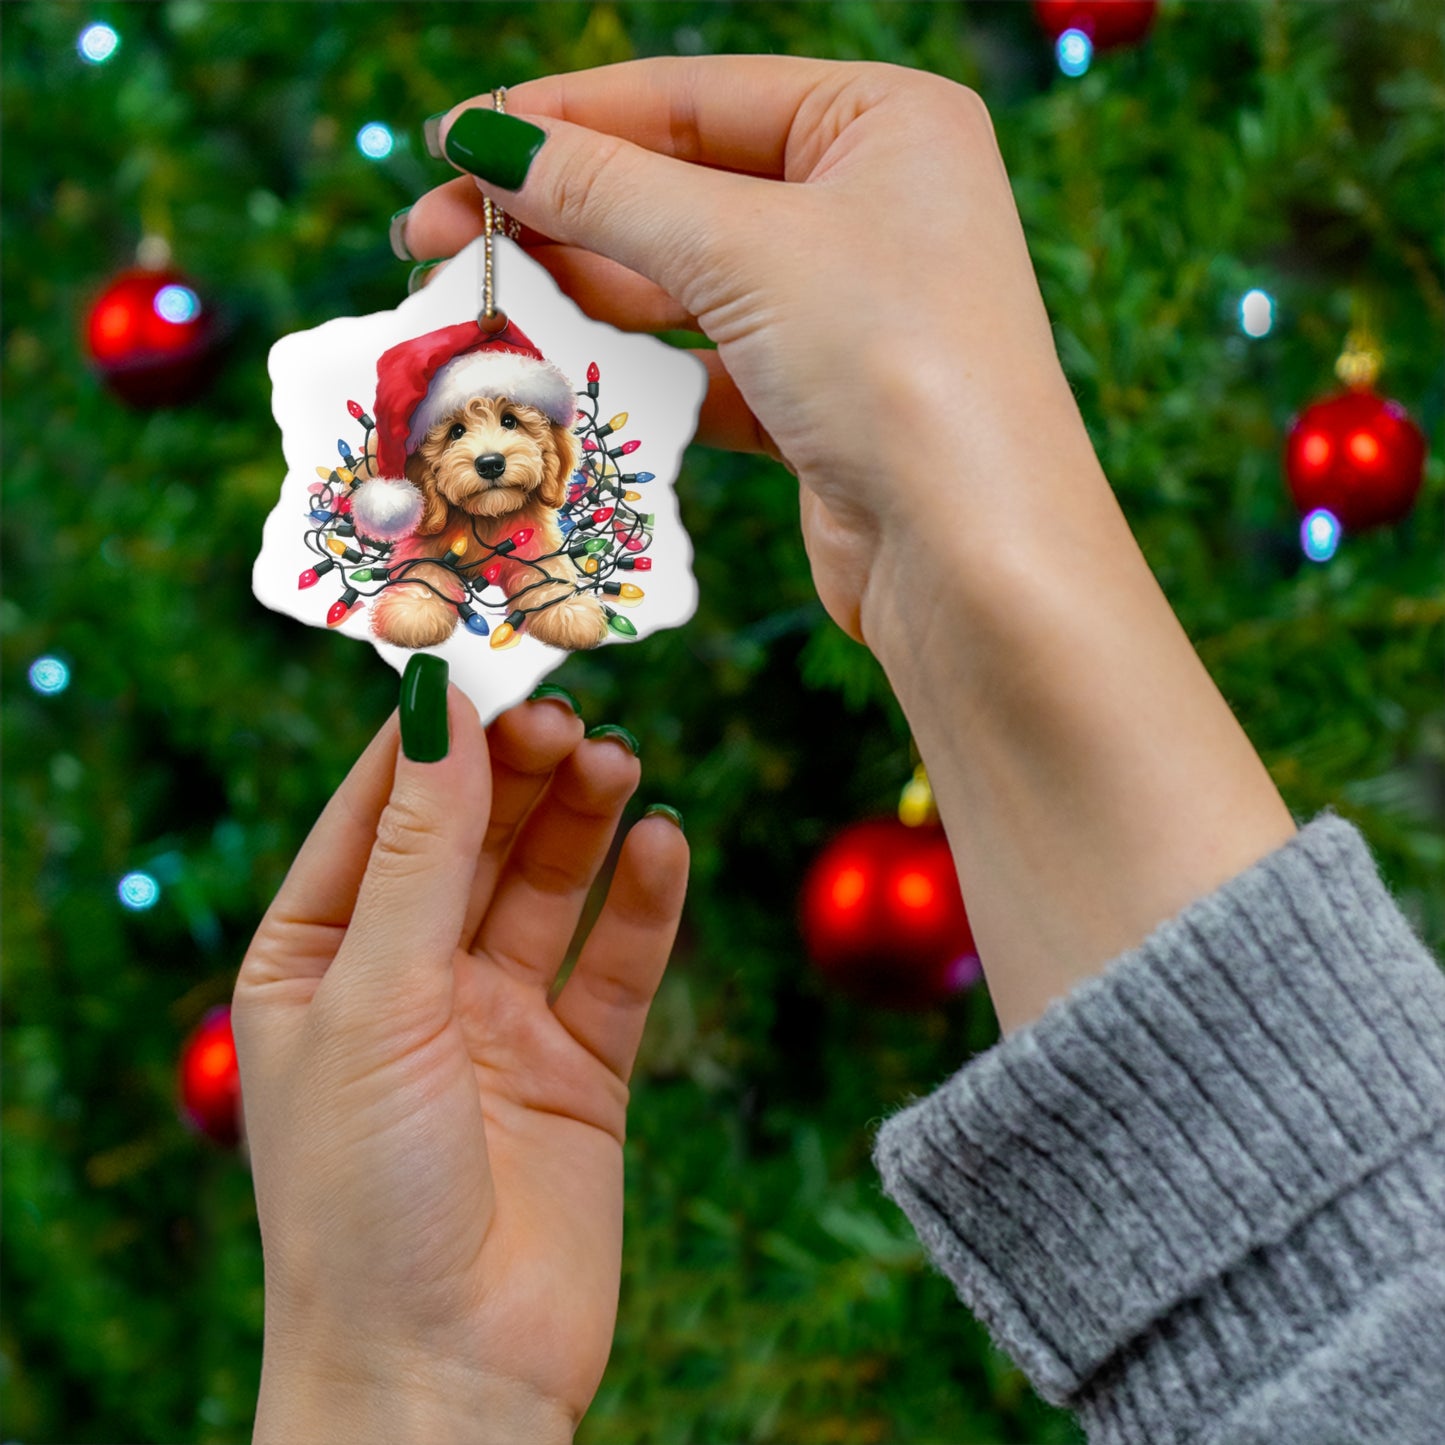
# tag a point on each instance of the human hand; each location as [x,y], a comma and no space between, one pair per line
[436,1147]
[878,323]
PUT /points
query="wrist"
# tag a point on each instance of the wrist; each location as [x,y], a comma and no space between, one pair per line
[398,1397]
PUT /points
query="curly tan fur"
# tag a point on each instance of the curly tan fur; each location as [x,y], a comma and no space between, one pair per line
[458,502]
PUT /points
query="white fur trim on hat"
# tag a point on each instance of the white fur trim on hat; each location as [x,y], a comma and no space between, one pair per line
[386,508]
[493,373]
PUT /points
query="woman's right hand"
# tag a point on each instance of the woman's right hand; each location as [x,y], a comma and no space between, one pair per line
[846,234]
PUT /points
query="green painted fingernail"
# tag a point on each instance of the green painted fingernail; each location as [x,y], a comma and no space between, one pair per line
[431,133]
[663,810]
[550,689]
[417,279]
[396,233]
[424,734]
[498,148]
[612,730]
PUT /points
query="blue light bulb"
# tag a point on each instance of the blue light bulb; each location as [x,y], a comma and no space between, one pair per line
[1319,535]
[1074,50]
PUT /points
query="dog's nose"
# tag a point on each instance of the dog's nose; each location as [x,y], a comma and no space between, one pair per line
[491,466]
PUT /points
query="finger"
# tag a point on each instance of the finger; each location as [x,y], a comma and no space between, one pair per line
[300,931]
[605,1001]
[659,217]
[447,218]
[740,113]
[544,885]
[396,959]
[526,743]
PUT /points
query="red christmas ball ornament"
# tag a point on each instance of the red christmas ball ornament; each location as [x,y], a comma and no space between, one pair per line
[152,338]
[210,1081]
[883,917]
[1107,23]
[1358,455]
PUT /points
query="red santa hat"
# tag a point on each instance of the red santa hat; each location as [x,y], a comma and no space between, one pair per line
[422,380]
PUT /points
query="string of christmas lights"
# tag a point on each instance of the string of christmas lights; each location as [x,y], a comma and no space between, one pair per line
[602,533]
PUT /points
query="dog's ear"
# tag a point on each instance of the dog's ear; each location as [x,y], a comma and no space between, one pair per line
[558,465]
[434,509]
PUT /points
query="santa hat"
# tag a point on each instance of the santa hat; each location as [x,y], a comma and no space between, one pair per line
[420,381]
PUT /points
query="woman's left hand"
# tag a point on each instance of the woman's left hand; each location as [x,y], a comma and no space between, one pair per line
[437,1145]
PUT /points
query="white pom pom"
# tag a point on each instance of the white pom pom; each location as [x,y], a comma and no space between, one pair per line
[386,508]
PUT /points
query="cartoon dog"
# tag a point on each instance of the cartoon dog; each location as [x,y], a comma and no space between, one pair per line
[485,428]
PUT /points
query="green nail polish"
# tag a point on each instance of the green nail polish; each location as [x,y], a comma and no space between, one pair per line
[498,148]
[396,234]
[667,812]
[417,278]
[431,133]
[612,730]
[550,689]
[424,733]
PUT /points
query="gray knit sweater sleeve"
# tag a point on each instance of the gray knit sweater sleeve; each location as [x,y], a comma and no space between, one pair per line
[1202,1198]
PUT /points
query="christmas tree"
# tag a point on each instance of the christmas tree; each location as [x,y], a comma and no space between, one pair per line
[1212,210]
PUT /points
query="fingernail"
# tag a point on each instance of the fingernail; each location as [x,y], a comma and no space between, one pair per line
[550,689]
[498,148]
[431,133]
[663,810]
[424,733]
[396,233]
[417,279]
[612,730]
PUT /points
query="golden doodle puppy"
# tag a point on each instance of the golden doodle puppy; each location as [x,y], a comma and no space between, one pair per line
[483,469]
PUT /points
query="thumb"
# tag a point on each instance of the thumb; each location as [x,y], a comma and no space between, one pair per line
[664,218]
[407,922]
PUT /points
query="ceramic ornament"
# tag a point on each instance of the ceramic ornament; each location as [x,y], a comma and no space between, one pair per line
[499,497]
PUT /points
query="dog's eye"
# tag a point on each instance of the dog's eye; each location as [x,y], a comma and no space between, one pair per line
[509,421]
[457,432]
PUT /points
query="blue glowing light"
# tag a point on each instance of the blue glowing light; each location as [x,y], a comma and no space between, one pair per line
[177,304]
[375,140]
[1319,535]
[1074,50]
[1256,313]
[138,891]
[49,675]
[97,44]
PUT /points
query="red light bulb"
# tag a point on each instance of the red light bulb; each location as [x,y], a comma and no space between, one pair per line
[588,445]
[522,537]
[603,514]
[309,578]
[592,373]
[355,408]
[628,448]
[493,572]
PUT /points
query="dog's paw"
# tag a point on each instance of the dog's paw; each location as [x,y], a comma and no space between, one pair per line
[412,617]
[576,624]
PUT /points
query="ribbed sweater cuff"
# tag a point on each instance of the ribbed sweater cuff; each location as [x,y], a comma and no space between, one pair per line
[1186,1118]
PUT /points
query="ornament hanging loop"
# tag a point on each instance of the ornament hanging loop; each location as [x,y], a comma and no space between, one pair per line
[494,219]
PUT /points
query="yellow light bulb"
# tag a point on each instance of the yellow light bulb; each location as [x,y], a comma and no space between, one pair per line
[325,473]
[631,592]
[632,496]
[459,547]
[620,420]
[505,636]
[336,545]
[345,476]
[590,564]
[916,806]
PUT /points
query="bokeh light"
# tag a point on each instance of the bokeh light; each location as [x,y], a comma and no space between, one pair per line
[1319,535]
[375,141]
[49,675]
[1075,51]
[178,304]
[97,44]
[138,890]
[1256,313]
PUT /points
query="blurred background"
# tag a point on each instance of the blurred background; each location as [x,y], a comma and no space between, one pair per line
[1221,200]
